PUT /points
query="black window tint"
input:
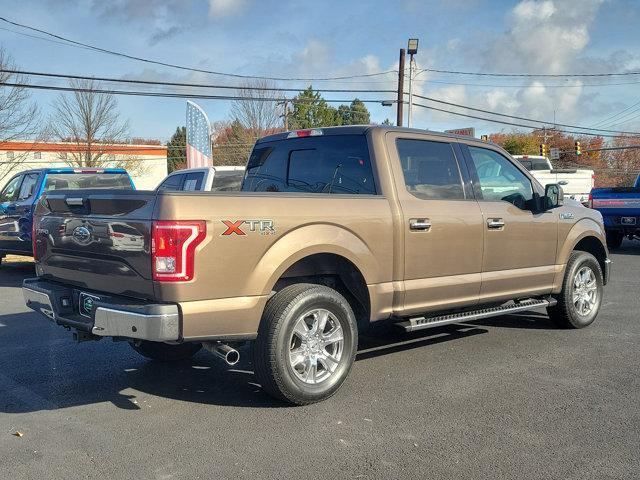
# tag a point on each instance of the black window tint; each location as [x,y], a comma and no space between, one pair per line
[171,183]
[193,181]
[227,181]
[528,164]
[332,164]
[10,191]
[500,179]
[27,189]
[430,169]
[79,181]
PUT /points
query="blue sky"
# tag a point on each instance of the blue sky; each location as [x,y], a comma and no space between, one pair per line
[334,38]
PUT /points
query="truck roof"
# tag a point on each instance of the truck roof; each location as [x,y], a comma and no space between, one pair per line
[75,170]
[362,129]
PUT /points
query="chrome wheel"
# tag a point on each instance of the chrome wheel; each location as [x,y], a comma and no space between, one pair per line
[585,291]
[316,346]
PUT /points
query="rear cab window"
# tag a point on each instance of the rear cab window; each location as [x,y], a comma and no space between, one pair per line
[78,181]
[331,164]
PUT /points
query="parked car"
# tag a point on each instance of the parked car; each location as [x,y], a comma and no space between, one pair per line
[334,228]
[209,179]
[620,208]
[21,193]
[575,183]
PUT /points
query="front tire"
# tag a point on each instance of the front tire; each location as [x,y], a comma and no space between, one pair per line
[164,352]
[581,296]
[306,344]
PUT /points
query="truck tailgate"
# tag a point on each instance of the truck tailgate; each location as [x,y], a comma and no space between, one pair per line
[97,238]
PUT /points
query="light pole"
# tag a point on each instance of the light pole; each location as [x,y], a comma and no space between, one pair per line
[412,49]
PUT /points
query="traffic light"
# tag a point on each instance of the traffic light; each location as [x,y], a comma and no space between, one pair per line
[484,138]
[543,149]
[578,149]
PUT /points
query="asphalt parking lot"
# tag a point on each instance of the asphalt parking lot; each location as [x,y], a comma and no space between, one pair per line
[511,397]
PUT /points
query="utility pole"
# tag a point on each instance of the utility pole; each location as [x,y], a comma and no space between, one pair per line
[400,102]
[285,113]
[412,49]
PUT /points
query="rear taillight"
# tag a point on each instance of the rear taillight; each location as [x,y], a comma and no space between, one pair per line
[173,246]
[590,201]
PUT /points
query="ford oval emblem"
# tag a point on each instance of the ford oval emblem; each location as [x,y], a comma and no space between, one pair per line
[81,234]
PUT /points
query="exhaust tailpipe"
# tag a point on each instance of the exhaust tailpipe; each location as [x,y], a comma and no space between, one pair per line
[223,351]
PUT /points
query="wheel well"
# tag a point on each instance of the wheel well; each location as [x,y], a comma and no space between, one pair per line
[335,272]
[593,246]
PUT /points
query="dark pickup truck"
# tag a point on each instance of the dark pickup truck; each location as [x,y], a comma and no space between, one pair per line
[19,197]
[620,209]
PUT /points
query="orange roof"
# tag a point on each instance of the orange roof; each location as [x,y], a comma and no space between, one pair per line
[22,146]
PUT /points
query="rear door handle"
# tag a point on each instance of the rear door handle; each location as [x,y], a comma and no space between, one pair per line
[419,224]
[495,223]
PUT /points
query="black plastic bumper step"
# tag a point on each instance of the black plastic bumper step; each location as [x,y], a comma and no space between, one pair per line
[420,323]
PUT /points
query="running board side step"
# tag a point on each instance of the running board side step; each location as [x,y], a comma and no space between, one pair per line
[420,323]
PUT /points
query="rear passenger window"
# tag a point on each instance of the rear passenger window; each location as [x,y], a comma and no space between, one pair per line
[336,164]
[193,181]
[430,169]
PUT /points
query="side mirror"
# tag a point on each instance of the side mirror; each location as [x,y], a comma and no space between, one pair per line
[553,196]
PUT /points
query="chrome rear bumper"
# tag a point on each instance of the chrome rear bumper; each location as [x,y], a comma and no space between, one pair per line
[112,316]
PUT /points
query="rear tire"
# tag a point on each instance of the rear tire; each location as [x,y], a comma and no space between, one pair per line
[164,352]
[614,239]
[306,344]
[581,295]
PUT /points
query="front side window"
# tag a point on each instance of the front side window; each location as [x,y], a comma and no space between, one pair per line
[10,191]
[430,169]
[336,164]
[172,182]
[27,189]
[501,180]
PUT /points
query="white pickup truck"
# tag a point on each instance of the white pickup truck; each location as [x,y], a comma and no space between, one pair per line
[576,184]
[206,179]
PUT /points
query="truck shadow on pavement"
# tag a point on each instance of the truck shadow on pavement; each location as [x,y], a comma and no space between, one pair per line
[13,273]
[63,374]
[628,247]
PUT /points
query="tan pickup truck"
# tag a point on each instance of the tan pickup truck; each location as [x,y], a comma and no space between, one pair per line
[334,228]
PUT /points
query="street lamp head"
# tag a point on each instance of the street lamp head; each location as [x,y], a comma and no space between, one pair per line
[412,46]
[387,103]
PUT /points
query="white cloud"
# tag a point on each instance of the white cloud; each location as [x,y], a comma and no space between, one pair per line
[541,36]
[225,8]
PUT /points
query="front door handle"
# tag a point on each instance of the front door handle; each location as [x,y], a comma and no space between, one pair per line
[495,223]
[419,224]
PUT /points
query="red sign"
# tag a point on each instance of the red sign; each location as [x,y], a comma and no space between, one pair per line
[467,132]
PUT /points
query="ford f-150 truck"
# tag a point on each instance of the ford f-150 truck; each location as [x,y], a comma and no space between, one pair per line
[620,208]
[334,228]
[20,195]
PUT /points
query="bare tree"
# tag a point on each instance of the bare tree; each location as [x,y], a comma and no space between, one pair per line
[19,118]
[258,111]
[90,119]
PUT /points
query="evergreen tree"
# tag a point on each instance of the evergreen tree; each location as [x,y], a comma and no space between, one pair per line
[177,150]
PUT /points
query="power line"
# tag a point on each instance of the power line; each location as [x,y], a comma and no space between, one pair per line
[182,67]
[181,84]
[503,122]
[523,118]
[167,94]
[543,75]
[611,117]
